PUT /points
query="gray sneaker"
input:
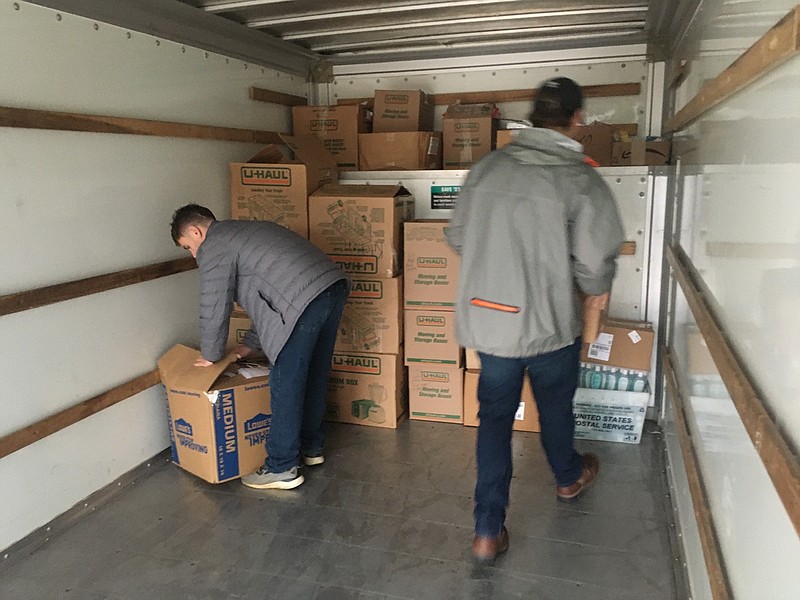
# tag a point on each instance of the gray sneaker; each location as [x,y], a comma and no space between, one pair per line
[264,480]
[313,458]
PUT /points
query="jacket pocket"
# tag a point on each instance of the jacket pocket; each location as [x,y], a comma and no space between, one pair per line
[481,303]
[272,306]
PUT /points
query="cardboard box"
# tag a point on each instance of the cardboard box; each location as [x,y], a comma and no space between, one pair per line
[641,152]
[504,137]
[431,266]
[400,151]
[219,421]
[436,393]
[366,389]
[272,187]
[240,324]
[372,320]
[621,343]
[430,337]
[610,415]
[468,133]
[402,110]
[358,226]
[527,417]
[598,141]
[473,361]
[338,128]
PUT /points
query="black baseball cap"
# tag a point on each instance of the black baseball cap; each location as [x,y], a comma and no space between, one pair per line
[556,101]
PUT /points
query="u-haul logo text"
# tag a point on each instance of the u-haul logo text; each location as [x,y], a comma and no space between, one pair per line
[435,376]
[366,265]
[184,433]
[266,176]
[366,289]
[396,98]
[324,124]
[432,262]
[348,363]
[430,321]
[468,126]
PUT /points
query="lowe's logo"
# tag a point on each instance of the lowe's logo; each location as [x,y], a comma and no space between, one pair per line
[366,289]
[256,430]
[266,176]
[432,262]
[469,126]
[324,124]
[184,427]
[430,321]
[368,365]
[435,376]
[183,433]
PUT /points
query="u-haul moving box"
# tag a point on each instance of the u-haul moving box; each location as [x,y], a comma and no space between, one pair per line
[400,151]
[271,187]
[219,419]
[526,417]
[468,134]
[358,226]
[372,320]
[435,393]
[430,337]
[402,110]
[338,128]
[366,389]
[431,266]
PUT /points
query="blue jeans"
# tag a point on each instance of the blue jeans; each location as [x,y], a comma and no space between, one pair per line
[554,377]
[298,381]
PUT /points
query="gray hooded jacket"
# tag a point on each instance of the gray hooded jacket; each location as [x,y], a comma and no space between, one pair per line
[532,223]
[273,273]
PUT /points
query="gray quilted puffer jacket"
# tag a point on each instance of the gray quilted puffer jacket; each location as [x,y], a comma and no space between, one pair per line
[272,272]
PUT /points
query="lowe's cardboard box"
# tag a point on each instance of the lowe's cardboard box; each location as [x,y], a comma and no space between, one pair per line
[338,128]
[621,343]
[400,151]
[431,266]
[609,415]
[366,389]
[435,393]
[402,110]
[272,187]
[526,417]
[219,416]
[358,226]
[430,337]
[468,134]
[372,320]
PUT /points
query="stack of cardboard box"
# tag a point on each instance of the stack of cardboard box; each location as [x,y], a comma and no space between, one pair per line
[433,356]
[402,135]
[359,227]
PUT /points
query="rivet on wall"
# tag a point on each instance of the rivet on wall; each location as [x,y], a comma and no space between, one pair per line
[128,35]
[96,26]
[58,17]
[622,65]
[16,5]
[158,42]
[245,66]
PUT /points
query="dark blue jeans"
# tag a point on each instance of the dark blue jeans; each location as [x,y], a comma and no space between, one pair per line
[298,381]
[554,377]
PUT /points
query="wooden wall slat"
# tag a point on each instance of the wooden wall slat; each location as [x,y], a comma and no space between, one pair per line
[780,460]
[263,95]
[62,121]
[718,579]
[41,429]
[59,292]
[771,50]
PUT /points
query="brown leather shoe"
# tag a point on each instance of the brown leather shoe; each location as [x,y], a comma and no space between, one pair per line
[486,549]
[570,493]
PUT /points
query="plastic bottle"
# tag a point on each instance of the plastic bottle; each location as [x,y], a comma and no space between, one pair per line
[611,378]
[596,381]
[624,381]
[639,382]
[586,374]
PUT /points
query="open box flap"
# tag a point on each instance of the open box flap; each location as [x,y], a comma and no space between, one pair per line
[178,371]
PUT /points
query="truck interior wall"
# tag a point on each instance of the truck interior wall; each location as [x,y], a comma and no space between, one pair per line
[76,205]
[735,187]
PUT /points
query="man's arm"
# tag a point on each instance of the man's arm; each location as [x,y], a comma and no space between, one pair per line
[217,286]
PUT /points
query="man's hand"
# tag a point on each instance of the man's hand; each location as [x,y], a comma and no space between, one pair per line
[202,362]
[241,350]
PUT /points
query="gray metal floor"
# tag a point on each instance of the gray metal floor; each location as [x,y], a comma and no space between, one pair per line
[389,515]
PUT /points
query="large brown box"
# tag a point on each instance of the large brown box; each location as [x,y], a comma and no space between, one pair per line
[400,151]
[431,266]
[366,389]
[468,133]
[402,110]
[430,337]
[272,187]
[338,128]
[504,137]
[219,420]
[641,152]
[598,141]
[372,320]
[527,417]
[621,343]
[358,226]
[435,393]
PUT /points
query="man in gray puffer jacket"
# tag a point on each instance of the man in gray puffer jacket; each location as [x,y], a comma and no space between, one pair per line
[536,228]
[294,294]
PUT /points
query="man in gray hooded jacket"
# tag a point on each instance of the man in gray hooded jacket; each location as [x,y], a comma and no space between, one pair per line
[538,232]
[294,294]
